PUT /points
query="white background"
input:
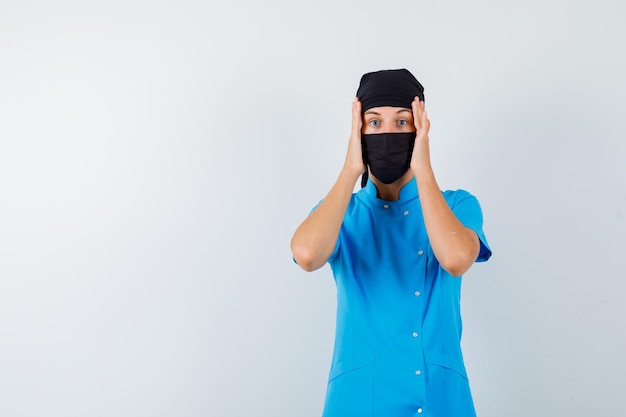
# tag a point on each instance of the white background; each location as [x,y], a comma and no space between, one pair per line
[156,157]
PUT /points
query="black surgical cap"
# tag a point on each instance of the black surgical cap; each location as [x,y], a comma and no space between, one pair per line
[395,88]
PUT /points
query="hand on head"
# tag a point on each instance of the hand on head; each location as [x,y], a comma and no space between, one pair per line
[421,150]
[354,157]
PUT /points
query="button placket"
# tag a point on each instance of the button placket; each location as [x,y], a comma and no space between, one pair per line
[418,367]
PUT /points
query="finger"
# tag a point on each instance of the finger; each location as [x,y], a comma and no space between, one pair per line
[425,123]
[355,102]
[417,113]
[356,114]
[421,105]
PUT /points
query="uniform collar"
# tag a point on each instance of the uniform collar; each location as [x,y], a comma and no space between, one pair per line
[407,192]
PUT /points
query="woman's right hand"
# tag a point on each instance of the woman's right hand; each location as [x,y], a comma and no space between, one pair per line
[354,158]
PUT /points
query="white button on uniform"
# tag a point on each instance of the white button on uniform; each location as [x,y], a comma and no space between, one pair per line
[386,206]
[418,372]
[417,293]
[415,334]
[420,411]
[420,252]
[406,213]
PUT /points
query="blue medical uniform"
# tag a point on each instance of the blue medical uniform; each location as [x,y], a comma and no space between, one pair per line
[397,347]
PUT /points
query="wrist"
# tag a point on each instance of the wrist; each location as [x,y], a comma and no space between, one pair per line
[422,171]
[351,173]
[421,154]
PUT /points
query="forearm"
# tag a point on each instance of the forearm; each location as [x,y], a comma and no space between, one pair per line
[454,245]
[315,239]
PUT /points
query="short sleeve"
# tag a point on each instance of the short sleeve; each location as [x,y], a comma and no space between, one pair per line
[467,209]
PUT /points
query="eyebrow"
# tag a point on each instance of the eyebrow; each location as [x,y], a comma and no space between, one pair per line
[378,114]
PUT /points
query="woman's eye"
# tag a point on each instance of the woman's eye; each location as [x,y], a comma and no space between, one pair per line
[402,122]
[374,123]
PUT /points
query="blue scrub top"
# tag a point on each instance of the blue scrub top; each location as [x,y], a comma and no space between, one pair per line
[397,347]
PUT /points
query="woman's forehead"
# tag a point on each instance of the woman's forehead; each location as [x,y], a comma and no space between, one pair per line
[387,110]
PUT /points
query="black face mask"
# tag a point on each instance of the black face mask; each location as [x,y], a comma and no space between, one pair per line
[388,154]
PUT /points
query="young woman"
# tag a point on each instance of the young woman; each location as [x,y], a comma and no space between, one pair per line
[397,249]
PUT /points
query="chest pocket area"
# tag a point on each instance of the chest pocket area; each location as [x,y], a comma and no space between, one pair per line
[350,391]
